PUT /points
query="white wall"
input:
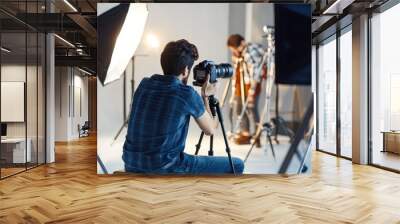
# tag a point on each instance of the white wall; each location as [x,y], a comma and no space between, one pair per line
[205,25]
[81,108]
[69,81]
[62,81]
[262,14]
[248,19]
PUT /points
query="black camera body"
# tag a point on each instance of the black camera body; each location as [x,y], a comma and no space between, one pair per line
[200,72]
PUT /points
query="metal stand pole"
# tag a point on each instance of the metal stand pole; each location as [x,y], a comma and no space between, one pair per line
[296,141]
[269,57]
[225,93]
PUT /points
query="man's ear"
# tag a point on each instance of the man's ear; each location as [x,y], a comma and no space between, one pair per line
[185,72]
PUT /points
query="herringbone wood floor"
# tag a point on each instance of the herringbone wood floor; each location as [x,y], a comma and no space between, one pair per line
[69,191]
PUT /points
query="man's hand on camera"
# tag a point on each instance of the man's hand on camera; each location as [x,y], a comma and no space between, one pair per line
[208,89]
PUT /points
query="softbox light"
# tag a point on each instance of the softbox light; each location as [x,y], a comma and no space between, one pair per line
[120,30]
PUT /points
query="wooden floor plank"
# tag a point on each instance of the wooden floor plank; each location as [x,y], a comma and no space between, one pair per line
[70,191]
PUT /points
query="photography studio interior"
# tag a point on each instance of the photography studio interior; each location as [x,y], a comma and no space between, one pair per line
[272,111]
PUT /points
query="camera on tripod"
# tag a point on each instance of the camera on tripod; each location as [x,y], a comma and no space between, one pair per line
[215,71]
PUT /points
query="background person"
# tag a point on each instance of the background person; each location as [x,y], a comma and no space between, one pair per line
[247,59]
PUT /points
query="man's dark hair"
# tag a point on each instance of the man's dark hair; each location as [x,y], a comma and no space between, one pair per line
[177,55]
[235,40]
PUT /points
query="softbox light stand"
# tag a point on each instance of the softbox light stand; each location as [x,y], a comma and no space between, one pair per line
[120,30]
[296,141]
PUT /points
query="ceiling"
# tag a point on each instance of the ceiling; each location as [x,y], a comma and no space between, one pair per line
[75,23]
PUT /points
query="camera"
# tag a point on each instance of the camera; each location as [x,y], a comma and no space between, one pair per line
[200,71]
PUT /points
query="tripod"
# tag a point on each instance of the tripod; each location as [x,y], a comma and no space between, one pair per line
[216,111]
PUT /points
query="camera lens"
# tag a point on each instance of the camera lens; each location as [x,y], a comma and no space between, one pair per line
[224,70]
[205,67]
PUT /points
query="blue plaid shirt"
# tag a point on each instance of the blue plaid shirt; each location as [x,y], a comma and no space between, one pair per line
[158,125]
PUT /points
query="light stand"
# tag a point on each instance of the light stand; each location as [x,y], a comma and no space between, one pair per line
[119,33]
[268,58]
[126,118]
[216,111]
[296,141]
[225,93]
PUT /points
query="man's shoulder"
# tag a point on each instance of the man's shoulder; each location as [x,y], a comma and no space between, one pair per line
[187,88]
[182,90]
[144,81]
[187,91]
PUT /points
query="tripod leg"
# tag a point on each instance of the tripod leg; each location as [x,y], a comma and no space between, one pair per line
[215,103]
[231,119]
[225,94]
[256,138]
[248,153]
[301,159]
[272,147]
[198,145]
[211,151]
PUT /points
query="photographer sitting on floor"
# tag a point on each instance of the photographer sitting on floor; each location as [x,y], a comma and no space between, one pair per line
[161,110]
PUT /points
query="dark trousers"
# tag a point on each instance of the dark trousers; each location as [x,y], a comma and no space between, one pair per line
[191,164]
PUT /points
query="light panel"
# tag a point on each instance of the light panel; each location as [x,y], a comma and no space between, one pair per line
[127,41]
[5,50]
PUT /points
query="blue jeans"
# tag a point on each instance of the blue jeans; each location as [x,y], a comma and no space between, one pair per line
[190,164]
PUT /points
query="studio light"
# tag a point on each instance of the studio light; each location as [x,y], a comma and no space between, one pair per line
[5,50]
[65,41]
[70,5]
[120,31]
[85,72]
[337,7]
[152,41]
